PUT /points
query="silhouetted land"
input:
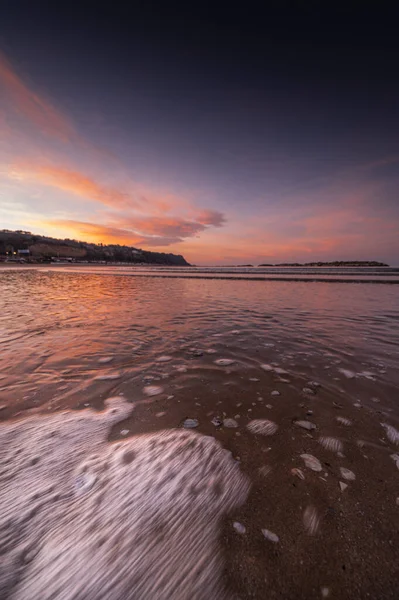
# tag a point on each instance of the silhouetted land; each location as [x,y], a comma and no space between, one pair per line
[30,247]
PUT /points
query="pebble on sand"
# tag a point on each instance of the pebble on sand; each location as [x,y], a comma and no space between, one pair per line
[105,359]
[269,535]
[275,393]
[224,362]
[308,390]
[164,358]
[305,425]
[343,486]
[348,374]
[153,390]
[190,423]
[107,377]
[239,527]
[312,462]
[262,427]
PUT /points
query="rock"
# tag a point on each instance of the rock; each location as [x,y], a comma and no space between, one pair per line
[224,362]
[239,527]
[275,393]
[269,535]
[108,377]
[105,359]
[305,425]
[153,390]
[230,423]
[217,422]
[164,358]
[197,353]
[343,486]
[266,367]
[307,390]
[348,374]
[124,432]
[190,423]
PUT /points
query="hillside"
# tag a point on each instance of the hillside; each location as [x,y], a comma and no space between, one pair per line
[42,249]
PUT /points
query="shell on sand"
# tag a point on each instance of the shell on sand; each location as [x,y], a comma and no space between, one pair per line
[262,427]
[230,423]
[344,421]
[392,433]
[331,443]
[311,462]
[100,519]
[347,474]
[298,473]
[311,520]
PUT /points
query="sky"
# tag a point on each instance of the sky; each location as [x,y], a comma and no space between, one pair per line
[227,134]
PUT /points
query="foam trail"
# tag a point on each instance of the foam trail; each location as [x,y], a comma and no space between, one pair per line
[84,519]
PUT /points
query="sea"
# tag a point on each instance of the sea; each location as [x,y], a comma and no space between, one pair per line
[199,433]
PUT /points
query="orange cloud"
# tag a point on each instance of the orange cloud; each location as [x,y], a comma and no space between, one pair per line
[28,104]
[76,183]
[98,233]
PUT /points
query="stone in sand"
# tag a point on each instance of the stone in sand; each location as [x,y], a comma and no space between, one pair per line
[224,362]
[153,390]
[112,520]
[164,358]
[305,425]
[239,527]
[269,535]
[275,393]
[190,423]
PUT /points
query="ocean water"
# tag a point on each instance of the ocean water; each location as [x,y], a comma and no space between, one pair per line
[274,371]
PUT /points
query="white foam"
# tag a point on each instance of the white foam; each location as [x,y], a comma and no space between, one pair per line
[84,518]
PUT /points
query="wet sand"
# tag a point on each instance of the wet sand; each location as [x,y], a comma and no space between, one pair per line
[322,539]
